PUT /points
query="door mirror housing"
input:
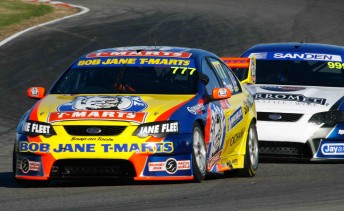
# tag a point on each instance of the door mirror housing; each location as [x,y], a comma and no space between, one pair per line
[221,93]
[36,92]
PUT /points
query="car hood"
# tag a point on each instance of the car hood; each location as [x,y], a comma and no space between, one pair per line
[298,99]
[59,109]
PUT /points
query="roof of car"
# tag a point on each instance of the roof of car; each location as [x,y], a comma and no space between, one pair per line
[295,47]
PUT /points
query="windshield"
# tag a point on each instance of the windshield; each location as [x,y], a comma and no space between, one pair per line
[308,73]
[127,79]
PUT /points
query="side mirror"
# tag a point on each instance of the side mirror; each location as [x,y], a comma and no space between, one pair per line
[221,93]
[36,92]
[244,68]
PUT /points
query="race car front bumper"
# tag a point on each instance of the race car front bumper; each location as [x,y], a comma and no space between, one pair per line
[32,161]
[325,143]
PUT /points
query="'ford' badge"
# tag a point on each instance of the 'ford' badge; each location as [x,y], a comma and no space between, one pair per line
[93,130]
[275,116]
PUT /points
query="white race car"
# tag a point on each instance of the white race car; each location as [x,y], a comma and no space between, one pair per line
[299,94]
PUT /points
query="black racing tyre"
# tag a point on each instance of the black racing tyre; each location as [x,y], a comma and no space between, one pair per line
[251,156]
[199,153]
[14,161]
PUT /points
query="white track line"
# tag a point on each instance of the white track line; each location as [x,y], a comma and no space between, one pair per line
[83,10]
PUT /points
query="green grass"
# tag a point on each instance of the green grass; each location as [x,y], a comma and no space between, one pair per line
[15,11]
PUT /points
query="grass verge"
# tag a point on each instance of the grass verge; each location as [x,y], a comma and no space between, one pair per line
[16,11]
[17,15]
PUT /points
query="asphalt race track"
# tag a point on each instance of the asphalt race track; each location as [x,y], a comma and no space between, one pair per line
[224,27]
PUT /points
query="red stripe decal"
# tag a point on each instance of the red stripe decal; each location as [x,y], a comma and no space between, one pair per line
[34,114]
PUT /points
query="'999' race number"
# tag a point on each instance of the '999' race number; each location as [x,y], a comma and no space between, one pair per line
[335,65]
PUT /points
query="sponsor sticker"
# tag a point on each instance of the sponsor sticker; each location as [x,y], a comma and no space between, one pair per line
[138,117]
[301,56]
[332,149]
[222,92]
[121,103]
[197,109]
[92,139]
[139,53]
[37,128]
[235,118]
[341,132]
[215,134]
[122,108]
[146,147]
[289,97]
[141,61]
[304,56]
[34,91]
[26,166]
[157,129]
[237,137]
[171,165]
[213,160]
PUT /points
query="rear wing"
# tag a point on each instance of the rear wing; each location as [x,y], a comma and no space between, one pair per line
[244,68]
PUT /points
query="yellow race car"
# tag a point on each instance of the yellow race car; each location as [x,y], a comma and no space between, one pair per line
[143,113]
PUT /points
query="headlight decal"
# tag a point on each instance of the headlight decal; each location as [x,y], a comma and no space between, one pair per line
[329,118]
[34,128]
[157,129]
[338,105]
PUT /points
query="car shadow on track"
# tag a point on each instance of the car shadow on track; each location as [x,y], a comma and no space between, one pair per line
[297,160]
[7,181]
[283,160]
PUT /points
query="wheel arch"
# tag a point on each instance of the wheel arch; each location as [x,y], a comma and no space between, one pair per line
[201,123]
